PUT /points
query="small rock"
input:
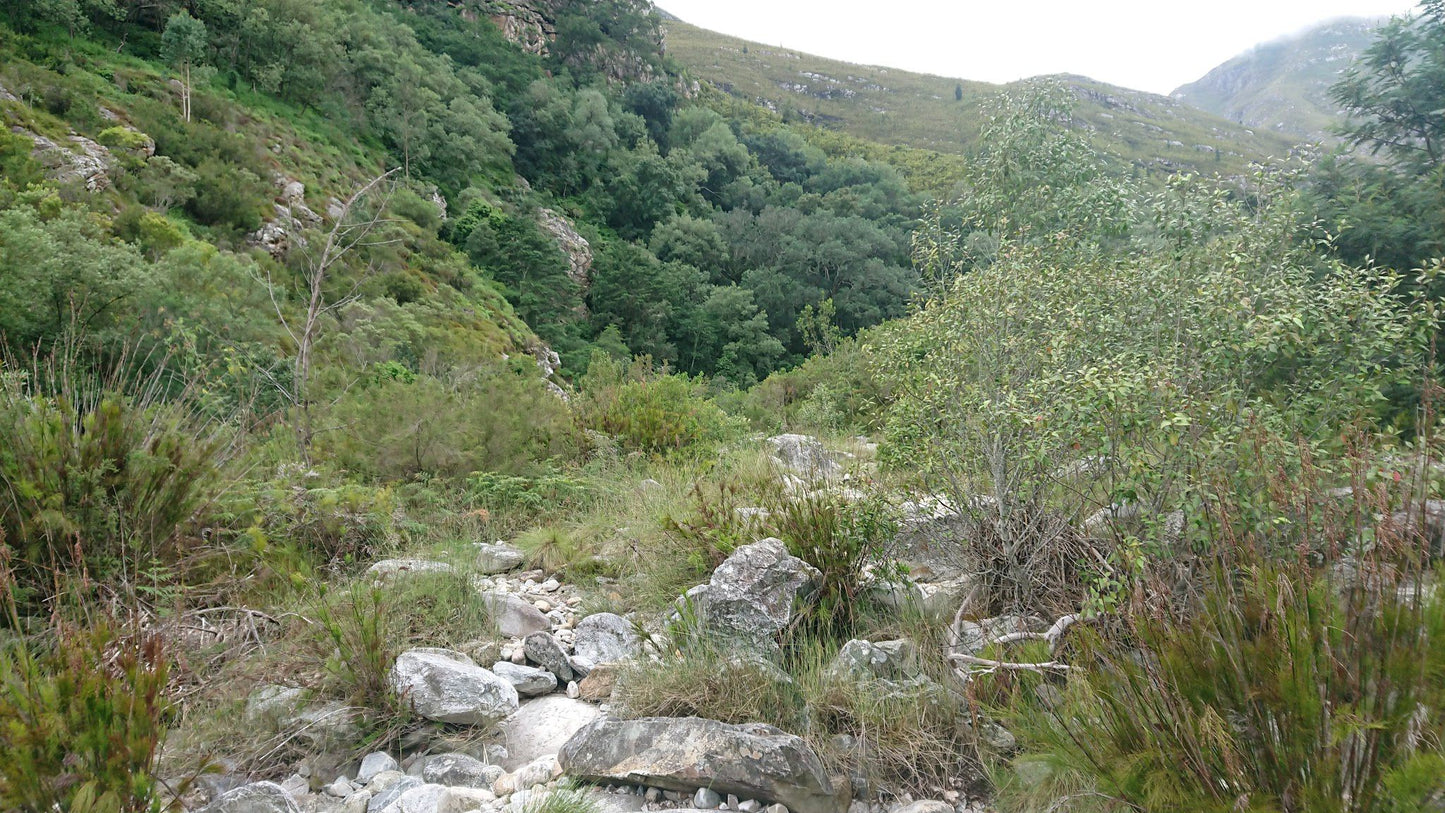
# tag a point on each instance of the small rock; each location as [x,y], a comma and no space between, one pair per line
[419,799]
[373,764]
[572,690]
[397,784]
[599,683]
[449,690]
[537,772]
[390,568]
[464,800]
[543,605]
[706,799]
[341,788]
[750,806]
[543,649]
[653,795]
[460,770]
[775,809]
[528,681]
[296,785]
[606,638]
[923,806]
[551,586]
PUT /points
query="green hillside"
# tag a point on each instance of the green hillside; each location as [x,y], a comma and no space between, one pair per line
[1283,86]
[891,106]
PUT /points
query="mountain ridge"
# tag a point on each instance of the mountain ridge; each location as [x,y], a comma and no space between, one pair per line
[1153,133]
[1284,85]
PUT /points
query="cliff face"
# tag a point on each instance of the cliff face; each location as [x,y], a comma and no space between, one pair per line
[1284,85]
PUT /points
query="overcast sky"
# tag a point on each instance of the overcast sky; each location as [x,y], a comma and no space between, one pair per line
[1153,45]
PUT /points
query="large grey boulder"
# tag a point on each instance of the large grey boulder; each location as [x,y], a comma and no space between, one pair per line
[257,797]
[750,595]
[498,557]
[529,681]
[605,638]
[542,726]
[805,455]
[422,798]
[387,787]
[753,761]
[514,617]
[450,690]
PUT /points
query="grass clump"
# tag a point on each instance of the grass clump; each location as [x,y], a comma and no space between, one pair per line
[565,798]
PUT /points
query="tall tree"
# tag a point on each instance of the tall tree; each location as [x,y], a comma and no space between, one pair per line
[183,44]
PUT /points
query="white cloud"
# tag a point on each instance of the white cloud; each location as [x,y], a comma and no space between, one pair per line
[1155,45]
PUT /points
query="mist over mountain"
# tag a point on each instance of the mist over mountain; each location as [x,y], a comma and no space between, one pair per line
[1284,85]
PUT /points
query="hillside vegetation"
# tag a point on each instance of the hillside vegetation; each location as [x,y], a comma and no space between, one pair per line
[1151,135]
[474,407]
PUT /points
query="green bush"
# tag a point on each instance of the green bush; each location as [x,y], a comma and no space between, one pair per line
[657,413]
[100,485]
[328,523]
[497,420]
[1288,690]
[82,721]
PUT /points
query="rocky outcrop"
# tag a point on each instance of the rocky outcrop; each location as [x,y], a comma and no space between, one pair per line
[530,25]
[752,761]
[805,455]
[449,688]
[80,160]
[574,245]
[290,217]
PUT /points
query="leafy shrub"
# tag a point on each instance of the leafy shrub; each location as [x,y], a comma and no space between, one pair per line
[498,420]
[657,413]
[100,484]
[81,722]
[337,524]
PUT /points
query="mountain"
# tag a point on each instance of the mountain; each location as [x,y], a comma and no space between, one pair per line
[1284,85]
[1154,133]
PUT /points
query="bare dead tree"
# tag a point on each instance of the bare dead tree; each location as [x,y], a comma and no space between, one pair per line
[351,230]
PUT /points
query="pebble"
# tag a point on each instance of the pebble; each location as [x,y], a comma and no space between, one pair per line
[340,788]
[550,586]
[542,605]
[750,806]
[572,690]
[706,799]
[519,656]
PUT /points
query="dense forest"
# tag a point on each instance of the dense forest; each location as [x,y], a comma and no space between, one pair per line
[335,335]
